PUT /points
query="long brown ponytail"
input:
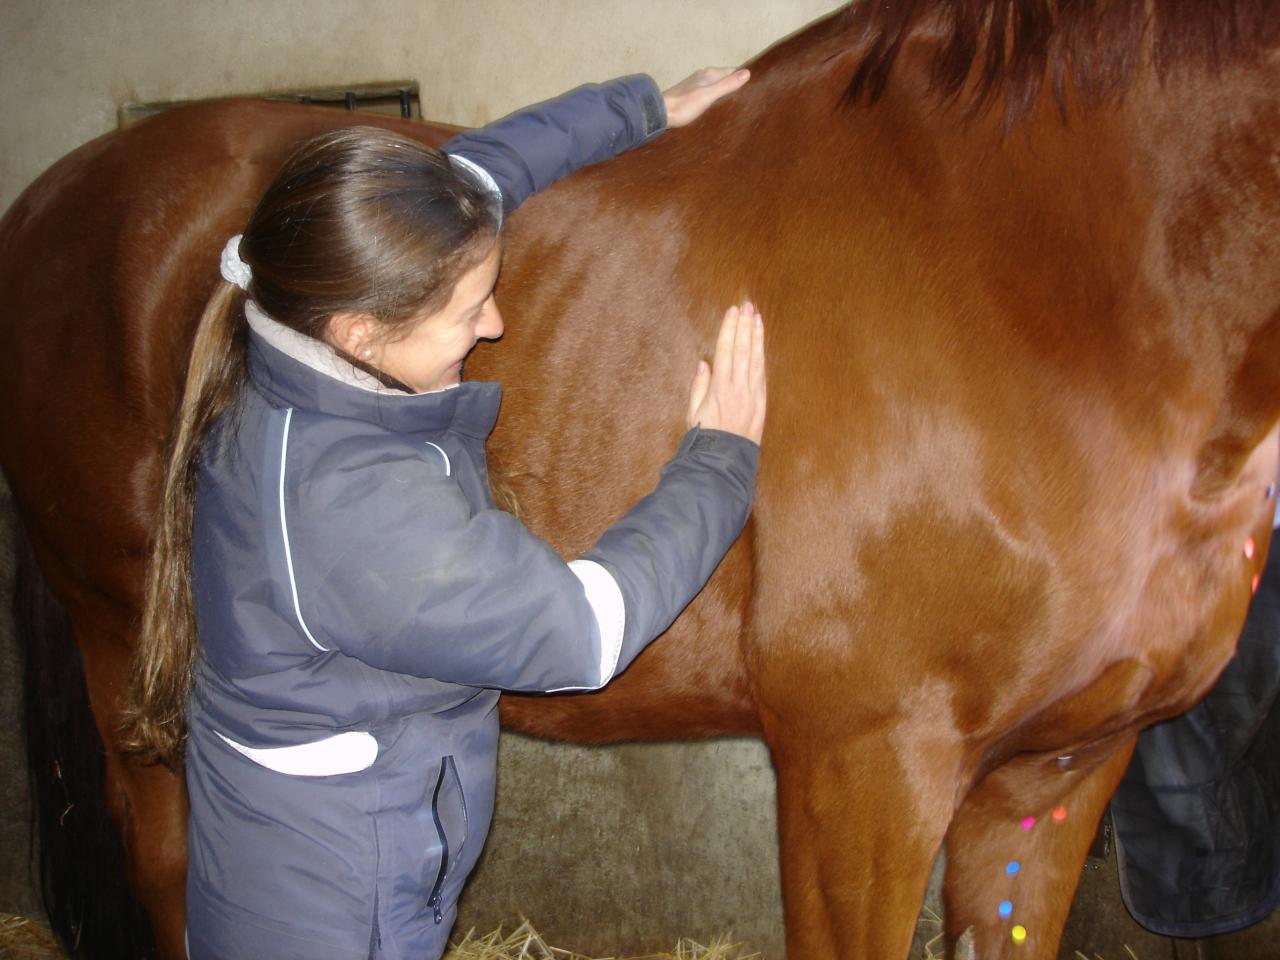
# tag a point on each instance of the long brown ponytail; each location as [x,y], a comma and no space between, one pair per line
[167,642]
[358,219]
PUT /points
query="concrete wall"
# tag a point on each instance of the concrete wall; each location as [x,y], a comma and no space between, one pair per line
[623,850]
[617,850]
[67,65]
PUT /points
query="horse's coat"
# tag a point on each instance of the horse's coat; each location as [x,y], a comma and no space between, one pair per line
[1025,389]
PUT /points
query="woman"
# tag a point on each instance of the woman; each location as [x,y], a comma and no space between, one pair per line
[327,532]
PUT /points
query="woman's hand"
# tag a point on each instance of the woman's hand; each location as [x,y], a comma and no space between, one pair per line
[730,394]
[689,98]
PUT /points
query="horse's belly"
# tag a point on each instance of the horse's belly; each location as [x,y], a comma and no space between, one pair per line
[1171,618]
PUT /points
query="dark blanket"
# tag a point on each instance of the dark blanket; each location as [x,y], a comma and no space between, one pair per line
[1197,816]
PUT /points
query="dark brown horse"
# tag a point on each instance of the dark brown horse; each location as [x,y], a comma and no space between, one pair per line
[1025,352]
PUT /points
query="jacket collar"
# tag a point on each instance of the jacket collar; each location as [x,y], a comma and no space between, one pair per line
[294,370]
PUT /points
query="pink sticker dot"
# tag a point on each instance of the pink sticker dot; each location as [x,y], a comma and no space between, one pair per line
[1249,547]
[1059,814]
[1254,587]
[1028,823]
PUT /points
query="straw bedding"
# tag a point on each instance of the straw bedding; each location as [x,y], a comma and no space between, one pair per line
[23,938]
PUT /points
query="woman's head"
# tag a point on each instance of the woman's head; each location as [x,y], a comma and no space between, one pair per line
[363,237]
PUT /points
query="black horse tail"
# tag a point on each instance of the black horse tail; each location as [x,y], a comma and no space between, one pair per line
[81,858]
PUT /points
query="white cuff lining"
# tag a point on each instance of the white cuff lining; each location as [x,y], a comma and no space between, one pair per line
[605,597]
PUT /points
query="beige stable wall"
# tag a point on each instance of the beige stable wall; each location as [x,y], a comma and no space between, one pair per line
[67,65]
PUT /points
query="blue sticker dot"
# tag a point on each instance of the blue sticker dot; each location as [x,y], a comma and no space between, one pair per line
[1013,867]
[1005,909]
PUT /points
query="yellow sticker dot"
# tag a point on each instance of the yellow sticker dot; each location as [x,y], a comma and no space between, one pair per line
[1019,933]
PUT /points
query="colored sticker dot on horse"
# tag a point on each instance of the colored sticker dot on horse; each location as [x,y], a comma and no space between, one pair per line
[1028,823]
[1249,547]
[1013,867]
[1005,909]
[1018,933]
[1254,587]
[1059,814]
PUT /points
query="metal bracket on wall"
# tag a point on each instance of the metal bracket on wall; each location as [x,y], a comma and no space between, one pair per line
[389,98]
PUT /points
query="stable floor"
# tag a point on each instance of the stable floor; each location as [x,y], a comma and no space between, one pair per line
[1099,926]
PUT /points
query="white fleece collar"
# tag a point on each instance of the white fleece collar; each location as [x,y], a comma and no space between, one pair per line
[317,355]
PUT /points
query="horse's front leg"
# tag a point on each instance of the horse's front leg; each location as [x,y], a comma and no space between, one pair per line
[861,816]
[1016,848]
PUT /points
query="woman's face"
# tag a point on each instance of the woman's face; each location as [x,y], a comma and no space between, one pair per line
[430,356]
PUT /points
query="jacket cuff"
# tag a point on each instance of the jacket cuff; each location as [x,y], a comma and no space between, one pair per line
[736,453]
[640,99]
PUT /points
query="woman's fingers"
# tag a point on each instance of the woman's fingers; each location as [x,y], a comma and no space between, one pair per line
[698,390]
[730,395]
[754,375]
[691,97]
[722,362]
[755,372]
[759,383]
[709,76]
[743,337]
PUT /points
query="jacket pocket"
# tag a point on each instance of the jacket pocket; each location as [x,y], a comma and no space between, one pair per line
[449,811]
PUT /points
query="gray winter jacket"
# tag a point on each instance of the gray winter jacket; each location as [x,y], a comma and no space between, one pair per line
[361,602]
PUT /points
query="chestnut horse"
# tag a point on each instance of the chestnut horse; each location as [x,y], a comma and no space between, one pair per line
[1018,259]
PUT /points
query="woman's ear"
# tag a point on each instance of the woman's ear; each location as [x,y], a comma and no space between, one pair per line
[352,333]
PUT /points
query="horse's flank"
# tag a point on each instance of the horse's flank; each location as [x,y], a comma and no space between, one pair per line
[1037,340]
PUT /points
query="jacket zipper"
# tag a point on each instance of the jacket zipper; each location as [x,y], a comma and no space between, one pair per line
[434,901]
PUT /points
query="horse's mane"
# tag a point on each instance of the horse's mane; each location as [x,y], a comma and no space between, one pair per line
[1092,46]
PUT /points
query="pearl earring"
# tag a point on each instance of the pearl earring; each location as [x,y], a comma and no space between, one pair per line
[367,354]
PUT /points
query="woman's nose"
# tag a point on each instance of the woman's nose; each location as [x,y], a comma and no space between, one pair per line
[490,326]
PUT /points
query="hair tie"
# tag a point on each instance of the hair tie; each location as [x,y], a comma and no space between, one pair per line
[483,179]
[235,270]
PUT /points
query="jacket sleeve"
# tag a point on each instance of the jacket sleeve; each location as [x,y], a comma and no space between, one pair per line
[663,551]
[532,148]
[394,568]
